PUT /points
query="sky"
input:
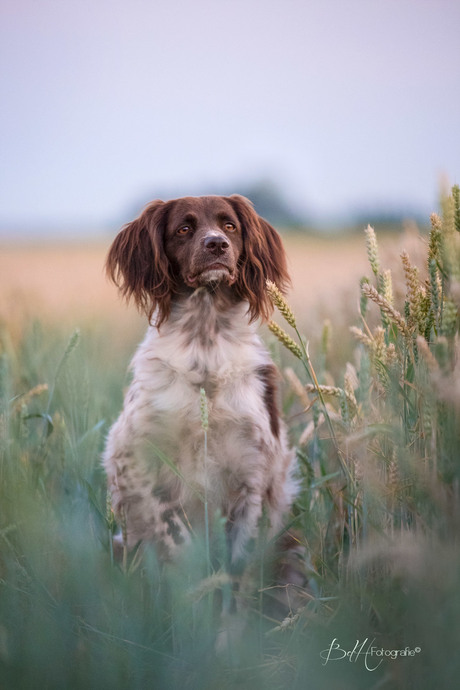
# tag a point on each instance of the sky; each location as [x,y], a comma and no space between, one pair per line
[107,104]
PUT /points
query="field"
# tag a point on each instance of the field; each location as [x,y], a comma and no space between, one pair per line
[67,281]
[374,414]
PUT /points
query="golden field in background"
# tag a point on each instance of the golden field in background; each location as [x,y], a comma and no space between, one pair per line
[66,282]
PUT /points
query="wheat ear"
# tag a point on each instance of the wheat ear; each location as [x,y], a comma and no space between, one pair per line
[284,338]
[371,292]
[278,300]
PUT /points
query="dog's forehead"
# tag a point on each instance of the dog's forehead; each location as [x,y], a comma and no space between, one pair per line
[206,208]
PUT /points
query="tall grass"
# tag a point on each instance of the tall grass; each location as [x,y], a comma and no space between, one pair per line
[379,508]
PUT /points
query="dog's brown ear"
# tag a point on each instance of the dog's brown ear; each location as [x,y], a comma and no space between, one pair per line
[263,258]
[138,265]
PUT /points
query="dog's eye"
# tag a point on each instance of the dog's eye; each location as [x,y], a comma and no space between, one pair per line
[229,227]
[183,230]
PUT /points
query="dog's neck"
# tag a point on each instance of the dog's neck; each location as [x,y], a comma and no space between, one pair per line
[207,311]
[202,338]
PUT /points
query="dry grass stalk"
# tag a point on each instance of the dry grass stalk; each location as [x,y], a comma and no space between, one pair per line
[287,623]
[210,584]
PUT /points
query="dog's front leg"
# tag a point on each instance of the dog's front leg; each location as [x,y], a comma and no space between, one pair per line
[241,527]
[145,510]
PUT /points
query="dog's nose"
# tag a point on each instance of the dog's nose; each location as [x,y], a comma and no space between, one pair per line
[216,243]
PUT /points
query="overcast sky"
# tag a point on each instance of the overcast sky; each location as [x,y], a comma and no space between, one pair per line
[344,104]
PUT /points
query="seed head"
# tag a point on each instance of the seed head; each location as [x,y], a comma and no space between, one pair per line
[284,338]
[434,246]
[372,249]
[278,300]
[371,292]
[362,337]
[449,319]
[334,392]
[456,197]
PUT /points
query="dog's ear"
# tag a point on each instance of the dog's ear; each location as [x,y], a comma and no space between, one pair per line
[263,258]
[138,265]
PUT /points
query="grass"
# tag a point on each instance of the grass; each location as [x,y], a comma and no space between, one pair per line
[378,440]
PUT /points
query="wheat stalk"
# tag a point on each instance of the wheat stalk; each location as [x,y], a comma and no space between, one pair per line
[379,349]
[435,288]
[284,338]
[371,292]
[326,337]
[297,386]
[302,354]
[335,392]
[204,414]
[25,399]
[372,249]
[456,198]
[210,584]
[424,350]
[449,318]
[361,336]
[310,429]
[434,246]
[279,301]
[415,293]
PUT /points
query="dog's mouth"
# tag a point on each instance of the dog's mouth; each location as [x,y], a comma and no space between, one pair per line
[214,273]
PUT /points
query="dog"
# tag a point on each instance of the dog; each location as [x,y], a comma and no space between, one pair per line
[197,267]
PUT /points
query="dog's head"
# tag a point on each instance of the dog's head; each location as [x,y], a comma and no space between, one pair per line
[183,244]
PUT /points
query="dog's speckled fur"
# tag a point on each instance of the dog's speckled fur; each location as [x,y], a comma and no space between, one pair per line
[205,290]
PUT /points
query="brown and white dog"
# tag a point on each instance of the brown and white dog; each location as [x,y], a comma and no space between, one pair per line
[197,266]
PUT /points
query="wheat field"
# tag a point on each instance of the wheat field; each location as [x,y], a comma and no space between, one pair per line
[371,397]
[66,280]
